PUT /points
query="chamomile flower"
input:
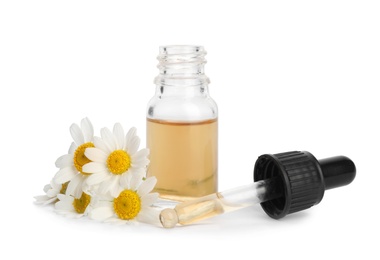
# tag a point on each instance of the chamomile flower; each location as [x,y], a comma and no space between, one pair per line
[74,207]
[114,157]
[131,203]
[51,191]
[71,164]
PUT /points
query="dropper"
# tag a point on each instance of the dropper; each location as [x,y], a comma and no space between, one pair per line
[284,183]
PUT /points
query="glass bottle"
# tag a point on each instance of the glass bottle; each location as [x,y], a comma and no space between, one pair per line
[182,126]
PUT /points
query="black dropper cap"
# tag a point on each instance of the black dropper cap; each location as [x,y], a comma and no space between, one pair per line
[304,179]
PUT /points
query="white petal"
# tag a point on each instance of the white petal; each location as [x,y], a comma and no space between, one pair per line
[140,159]
[149,199]
[63,205]
[75,186]
[90,190]
[53,192]
[65,175]
[66,203]
[88,209]
[99,143]
[125,180]
[108,138]
[147,186]
[97,178]
[114,187]
[118,132]
[104,186]
[62,197]
[133,145]
[149,215]
[142,154]
[140,163]
[104,198]
[64,161]
[43,199]
[72,186]
[94,167]
[87,129]
[47,187]
[131,133]
[136,180]
[51,200]
[76,134]
[55,186]
[96,155]
[72,148]
[139,171]
[101,213]
[97,203]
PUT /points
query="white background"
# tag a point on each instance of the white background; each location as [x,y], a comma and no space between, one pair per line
[287,75]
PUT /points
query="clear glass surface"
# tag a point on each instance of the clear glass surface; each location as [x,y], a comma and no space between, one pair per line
[182,132]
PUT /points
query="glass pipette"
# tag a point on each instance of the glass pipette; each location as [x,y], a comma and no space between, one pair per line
[285,183]
[219,203]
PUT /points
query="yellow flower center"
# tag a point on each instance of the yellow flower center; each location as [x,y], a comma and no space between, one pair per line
[127,205]
[64,188]
[81,204]
[80,159]
[118,162]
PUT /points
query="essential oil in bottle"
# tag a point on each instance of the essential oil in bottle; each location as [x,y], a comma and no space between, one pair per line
[185,162]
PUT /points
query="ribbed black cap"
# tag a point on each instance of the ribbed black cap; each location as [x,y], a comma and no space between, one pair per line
[303,179]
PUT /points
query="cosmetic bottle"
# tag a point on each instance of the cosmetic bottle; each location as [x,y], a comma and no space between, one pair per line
[182,126]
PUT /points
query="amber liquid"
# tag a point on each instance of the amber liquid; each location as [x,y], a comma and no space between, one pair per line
[183,157]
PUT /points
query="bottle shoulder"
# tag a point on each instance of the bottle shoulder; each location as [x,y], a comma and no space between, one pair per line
[182,109]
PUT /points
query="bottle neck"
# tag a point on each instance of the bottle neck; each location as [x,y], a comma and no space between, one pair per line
[182,66]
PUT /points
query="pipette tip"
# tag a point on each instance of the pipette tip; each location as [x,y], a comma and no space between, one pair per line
[168,218]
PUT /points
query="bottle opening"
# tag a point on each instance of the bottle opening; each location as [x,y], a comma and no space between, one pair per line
[184,55]
[181,49]
[181,62]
